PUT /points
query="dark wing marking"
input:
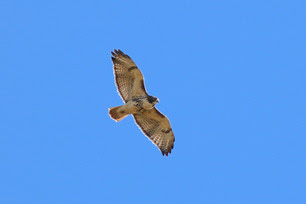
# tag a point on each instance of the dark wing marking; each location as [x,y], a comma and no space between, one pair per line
[129,79]
[157,128]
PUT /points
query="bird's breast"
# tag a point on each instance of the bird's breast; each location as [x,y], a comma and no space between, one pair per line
[140,103]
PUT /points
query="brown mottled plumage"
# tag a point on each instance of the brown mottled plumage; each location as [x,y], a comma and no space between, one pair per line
[130,84]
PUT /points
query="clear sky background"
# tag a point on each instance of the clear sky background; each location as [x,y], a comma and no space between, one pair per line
[230,76]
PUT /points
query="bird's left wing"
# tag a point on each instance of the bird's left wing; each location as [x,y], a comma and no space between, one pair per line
[129,79]
[157,128]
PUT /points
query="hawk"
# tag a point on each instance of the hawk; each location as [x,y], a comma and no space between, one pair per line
[130,85]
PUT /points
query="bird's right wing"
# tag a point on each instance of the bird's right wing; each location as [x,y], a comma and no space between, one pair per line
[129,79]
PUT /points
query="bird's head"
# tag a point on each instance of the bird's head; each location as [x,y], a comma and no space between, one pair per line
[153,100]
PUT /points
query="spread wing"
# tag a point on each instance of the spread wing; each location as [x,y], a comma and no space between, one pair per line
[129,79]
[157,128]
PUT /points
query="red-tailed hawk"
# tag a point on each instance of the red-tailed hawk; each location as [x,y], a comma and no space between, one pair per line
[130,85]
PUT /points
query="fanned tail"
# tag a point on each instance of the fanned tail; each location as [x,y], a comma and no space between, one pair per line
[117,113]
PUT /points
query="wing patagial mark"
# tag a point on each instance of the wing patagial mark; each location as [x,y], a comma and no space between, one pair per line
[166,131]
[131,68]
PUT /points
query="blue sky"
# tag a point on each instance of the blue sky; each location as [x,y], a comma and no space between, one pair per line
[230,76]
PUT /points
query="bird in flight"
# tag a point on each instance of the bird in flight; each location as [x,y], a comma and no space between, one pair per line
[130,85]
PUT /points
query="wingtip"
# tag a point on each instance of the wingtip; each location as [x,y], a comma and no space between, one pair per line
[168,151]
[165,153]
[117,51]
